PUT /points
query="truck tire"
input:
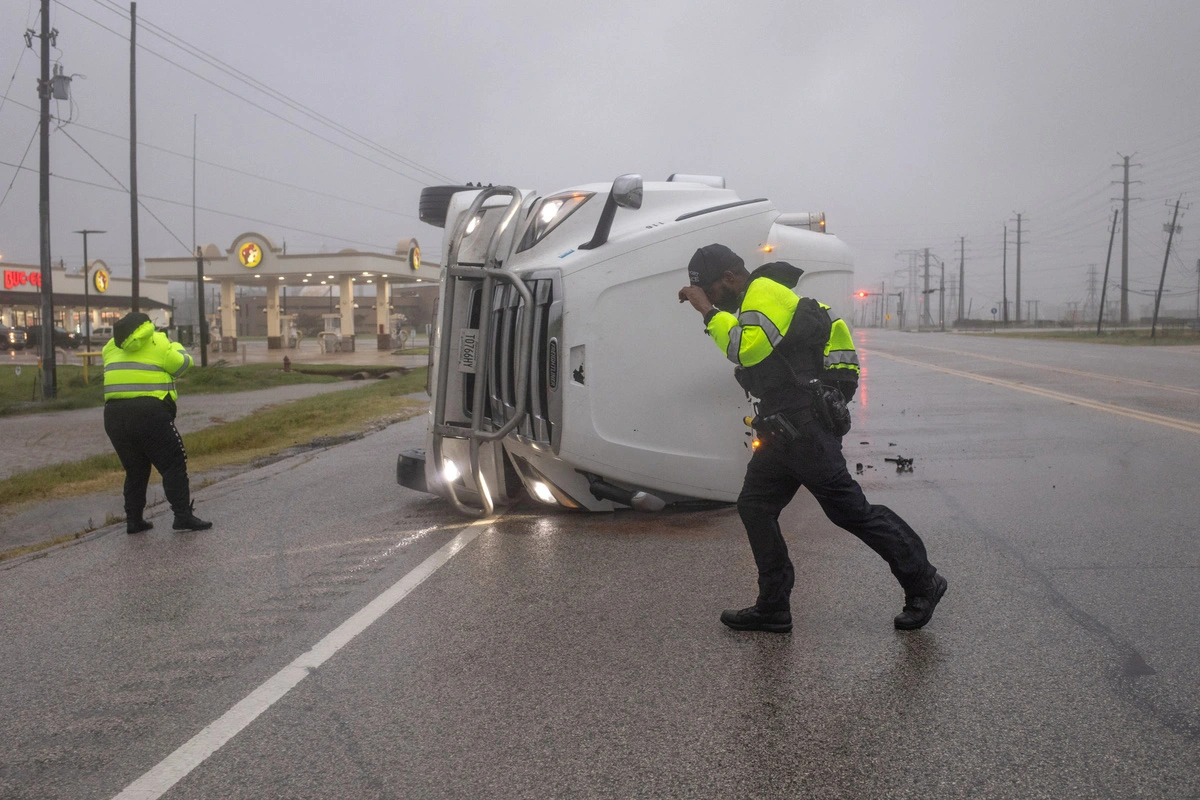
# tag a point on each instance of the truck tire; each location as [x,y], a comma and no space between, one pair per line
[435,200]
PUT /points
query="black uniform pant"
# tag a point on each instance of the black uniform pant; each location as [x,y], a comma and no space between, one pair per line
[142,431]
[814,460]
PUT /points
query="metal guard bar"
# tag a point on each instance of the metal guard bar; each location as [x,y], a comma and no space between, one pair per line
[491,273]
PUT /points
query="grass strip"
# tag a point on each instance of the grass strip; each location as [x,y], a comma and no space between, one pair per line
[262,433]
[26,549]
[18,393]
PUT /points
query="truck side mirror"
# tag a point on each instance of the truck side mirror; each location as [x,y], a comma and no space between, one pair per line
[626,192]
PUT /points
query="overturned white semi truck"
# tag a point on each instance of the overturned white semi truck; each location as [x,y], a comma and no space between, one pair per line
[562,362]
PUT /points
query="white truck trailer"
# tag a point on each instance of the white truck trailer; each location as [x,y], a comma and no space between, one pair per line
[563,363]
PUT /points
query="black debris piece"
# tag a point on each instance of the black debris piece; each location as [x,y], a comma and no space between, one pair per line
[902,464]
[858,468]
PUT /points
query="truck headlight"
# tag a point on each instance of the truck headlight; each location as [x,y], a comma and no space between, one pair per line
[549,213]
[543,493]
[450,471]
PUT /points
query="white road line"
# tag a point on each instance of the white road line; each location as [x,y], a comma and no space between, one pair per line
[1111,408]
[1050,368]
[193,753]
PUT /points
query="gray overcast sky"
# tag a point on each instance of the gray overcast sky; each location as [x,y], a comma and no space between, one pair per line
[908,123]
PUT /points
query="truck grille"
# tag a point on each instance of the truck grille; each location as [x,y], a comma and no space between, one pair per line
[543,406]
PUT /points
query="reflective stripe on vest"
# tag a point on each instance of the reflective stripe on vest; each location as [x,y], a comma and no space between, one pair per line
[187,362]
[839,357]
[735,345]
[139,387]
[763,321]
[119,365]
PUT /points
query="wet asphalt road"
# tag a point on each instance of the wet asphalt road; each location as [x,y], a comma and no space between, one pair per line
[562,655]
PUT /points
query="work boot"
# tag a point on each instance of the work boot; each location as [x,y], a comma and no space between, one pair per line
[919,605]
[187,521]
[137,525]
[755,619]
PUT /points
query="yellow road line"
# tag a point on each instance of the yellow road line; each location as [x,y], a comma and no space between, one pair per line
[1065,370]
[1141,416]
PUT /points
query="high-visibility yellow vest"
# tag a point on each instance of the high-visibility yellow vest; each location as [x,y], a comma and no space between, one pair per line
[764,319]
[145,365]
[841,359]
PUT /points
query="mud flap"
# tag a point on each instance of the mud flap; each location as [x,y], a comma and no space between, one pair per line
[410,470]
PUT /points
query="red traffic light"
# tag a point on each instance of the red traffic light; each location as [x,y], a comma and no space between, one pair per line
[860,294]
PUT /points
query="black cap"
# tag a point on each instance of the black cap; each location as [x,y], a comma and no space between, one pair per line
[127,324]
[710,262]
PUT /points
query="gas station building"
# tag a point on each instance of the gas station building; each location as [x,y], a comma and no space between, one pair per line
[105,297]
[253,260]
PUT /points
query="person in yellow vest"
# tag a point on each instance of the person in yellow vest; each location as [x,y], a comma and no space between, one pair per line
[140,368]
[801,368]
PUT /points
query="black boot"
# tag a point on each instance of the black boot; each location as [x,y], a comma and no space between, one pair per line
[755,619]
[187,521]
[919,605]
[137,524]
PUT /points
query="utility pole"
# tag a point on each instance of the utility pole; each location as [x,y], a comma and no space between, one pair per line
[1162,279]
[962,261]
[925,315]
[133,190]
[1019,271]
[49,372]
[942,299]
[1004,273]
[1198,291]
[1090,303]
[1125,198]
[1108,260]
[87,308]
[203,326]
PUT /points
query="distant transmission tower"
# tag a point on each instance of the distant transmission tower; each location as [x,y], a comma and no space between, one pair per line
[1125,199]
[1089,305]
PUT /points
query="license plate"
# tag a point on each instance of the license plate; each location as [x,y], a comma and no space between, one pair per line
[468,342]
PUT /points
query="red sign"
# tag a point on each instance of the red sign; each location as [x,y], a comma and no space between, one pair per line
[13,279]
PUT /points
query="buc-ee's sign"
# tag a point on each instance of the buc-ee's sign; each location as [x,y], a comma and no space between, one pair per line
[13,279]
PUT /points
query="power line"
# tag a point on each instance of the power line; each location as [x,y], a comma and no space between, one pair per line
[218,212]
[118,182]
[247,100]
[17,171]
[254,83]
[244,173]
[18,66]
[228,168]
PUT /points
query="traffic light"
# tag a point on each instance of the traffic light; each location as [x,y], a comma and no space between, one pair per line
[860,294]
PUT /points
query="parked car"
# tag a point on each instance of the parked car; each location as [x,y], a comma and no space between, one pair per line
[101,334]
[62,337]
[11,338]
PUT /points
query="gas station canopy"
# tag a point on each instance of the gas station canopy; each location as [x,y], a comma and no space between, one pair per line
[254,260]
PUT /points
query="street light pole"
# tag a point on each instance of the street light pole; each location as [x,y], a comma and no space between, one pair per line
[87,307]
[202,327]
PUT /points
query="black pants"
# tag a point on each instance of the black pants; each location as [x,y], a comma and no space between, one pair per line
[142,431]
[815,461]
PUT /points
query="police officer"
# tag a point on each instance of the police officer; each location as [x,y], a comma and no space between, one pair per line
[140,368]
[787,349]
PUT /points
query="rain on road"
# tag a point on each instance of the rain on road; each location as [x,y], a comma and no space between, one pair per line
[551,654]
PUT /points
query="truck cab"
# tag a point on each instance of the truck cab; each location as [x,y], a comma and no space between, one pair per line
[562,362]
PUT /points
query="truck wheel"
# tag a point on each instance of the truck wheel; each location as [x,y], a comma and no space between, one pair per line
[435,200]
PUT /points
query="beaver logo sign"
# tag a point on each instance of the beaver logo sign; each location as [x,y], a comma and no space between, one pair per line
[250,255]
[100,280]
